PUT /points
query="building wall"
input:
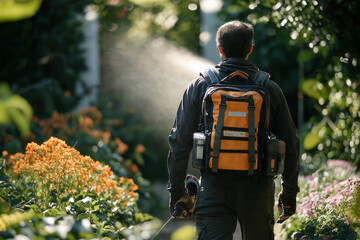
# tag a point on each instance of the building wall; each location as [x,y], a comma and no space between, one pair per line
[209,25]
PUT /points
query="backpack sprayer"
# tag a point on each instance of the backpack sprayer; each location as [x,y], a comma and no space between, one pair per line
[192,185]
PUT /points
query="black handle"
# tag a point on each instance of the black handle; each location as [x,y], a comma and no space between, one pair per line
[179,208]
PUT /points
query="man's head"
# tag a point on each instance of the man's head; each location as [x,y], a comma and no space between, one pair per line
[234,40]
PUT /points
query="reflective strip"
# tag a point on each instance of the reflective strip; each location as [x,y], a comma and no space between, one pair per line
[237,114]
[234,134]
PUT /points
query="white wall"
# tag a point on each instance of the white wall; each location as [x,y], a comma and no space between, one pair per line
[90,77]
[209,25]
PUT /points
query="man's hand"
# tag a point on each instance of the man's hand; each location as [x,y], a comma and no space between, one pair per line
[287,205]
[183,207]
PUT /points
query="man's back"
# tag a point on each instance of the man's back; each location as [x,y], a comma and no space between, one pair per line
[225,199]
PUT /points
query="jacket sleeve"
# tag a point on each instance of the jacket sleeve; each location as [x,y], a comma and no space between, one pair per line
[181,139]
[282,125]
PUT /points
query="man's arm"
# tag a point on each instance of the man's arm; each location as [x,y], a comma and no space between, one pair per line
[181,140]
[282,125]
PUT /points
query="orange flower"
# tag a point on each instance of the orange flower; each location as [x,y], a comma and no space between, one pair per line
[121,146]
[134,187]
[140,148]
[93,113]
[67,94]
[106,137]
[131,181]
[58,120]
[131,167]
[132,194]
[97,134]
[5,153]
[85,123]
[121,179]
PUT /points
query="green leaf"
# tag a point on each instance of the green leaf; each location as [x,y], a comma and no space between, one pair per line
[5,91]
[2,162]
[20,120]
[15,101]
[87,216]
[5,207]
[314,89]
[95,208]
[11,10]
[143,217]
[139,159]
[51,212]
[14,108]
[33,207]
[4,118]
[315,136]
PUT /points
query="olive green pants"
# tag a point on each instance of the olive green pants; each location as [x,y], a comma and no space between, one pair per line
[223,200]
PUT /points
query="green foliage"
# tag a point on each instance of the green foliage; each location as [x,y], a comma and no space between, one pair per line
[316,136]
[42,58]
[325,227]
[354,210]
[339,132]
[320,23]
[14,109]
[11,10]
[314,89]
[34,226]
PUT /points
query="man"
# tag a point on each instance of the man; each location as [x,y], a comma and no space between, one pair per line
[223,199]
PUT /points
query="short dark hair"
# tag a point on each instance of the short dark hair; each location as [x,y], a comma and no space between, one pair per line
[235,38]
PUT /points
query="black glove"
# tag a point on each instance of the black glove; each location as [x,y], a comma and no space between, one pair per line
[173,199]
[287,204]
[182,207]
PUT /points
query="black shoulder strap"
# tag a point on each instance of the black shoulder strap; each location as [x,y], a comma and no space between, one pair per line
[262,78]
[211,76]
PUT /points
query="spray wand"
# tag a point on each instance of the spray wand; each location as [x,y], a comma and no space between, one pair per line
[192,184]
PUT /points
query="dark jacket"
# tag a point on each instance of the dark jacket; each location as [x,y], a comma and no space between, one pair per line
[188,117]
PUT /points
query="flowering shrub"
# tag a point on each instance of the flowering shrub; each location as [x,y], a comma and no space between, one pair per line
[101,138]
[55,168]
[330,212]
[92,134]
[328,204]
[55,180]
